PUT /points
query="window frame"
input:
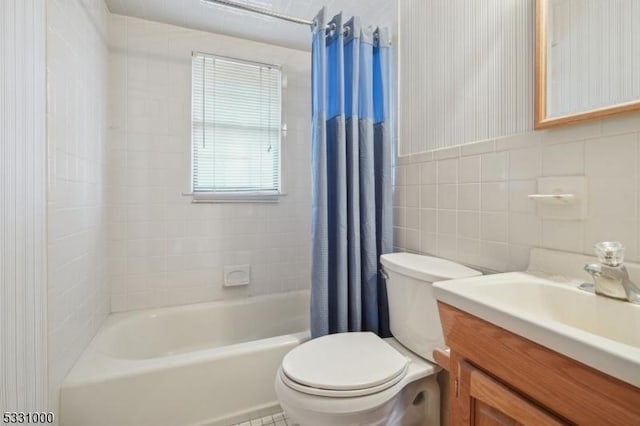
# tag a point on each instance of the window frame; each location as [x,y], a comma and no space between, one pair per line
[239,196]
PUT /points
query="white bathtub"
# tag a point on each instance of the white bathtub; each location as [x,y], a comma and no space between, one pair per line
[203,364]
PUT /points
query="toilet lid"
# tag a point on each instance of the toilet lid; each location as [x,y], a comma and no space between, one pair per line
[345,362]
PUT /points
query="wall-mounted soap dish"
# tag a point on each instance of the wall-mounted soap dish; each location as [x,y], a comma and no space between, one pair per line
[561,198]
[553,198]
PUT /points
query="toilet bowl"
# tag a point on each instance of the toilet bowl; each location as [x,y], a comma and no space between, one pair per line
[360,379]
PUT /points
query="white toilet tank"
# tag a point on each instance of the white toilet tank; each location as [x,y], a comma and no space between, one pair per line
[413,311]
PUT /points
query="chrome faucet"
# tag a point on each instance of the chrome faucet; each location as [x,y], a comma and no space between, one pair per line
[610,275]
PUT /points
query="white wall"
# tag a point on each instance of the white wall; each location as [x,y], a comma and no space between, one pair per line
[163,249]
[23,356]
[465,71]
[77,68]
[469,202]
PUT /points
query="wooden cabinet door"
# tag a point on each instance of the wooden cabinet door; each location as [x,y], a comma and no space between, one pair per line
[483,401]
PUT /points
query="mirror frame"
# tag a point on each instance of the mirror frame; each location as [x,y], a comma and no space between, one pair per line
[541,121]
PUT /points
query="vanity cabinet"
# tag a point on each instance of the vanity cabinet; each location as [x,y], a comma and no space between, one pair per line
[499,378]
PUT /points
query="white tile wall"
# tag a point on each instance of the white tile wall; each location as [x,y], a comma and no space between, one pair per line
[163,249]
[23,263]
[77,68]
[494,223]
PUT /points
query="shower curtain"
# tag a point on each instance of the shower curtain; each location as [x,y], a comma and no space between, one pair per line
[351,177]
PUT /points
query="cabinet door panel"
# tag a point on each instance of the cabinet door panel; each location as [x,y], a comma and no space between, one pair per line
[490,403]
[486,415]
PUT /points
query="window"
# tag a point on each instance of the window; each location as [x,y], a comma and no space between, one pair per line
[235,129]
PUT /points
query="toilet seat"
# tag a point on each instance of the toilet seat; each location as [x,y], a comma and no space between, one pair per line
[339,393]
[343,365]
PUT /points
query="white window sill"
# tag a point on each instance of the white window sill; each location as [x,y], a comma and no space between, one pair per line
[237,197]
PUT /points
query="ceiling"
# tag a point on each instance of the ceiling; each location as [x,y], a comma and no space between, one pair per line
[199,15]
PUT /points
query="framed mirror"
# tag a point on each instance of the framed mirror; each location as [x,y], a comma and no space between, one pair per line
[587,62]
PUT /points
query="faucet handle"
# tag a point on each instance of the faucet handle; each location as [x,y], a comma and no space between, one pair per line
[610,253]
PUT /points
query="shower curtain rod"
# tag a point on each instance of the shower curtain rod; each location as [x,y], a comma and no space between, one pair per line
[263,11]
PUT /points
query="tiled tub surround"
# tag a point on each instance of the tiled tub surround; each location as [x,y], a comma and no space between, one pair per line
[201,364]
[163,249]
[77,78]
[469,203]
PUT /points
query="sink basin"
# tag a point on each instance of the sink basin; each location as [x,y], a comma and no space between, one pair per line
[551,311]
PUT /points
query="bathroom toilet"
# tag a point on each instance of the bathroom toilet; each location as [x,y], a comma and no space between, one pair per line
[361,379]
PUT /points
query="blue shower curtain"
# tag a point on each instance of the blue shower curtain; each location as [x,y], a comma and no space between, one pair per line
[351,177]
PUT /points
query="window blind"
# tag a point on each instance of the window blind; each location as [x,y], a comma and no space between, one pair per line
[236,126]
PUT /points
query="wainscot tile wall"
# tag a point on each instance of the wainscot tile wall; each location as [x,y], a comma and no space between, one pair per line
[469,203]
[163,249]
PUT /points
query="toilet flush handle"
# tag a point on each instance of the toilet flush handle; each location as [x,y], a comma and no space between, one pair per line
[384,274]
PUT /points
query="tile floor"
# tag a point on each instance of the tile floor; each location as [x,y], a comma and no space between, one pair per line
[278,419]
